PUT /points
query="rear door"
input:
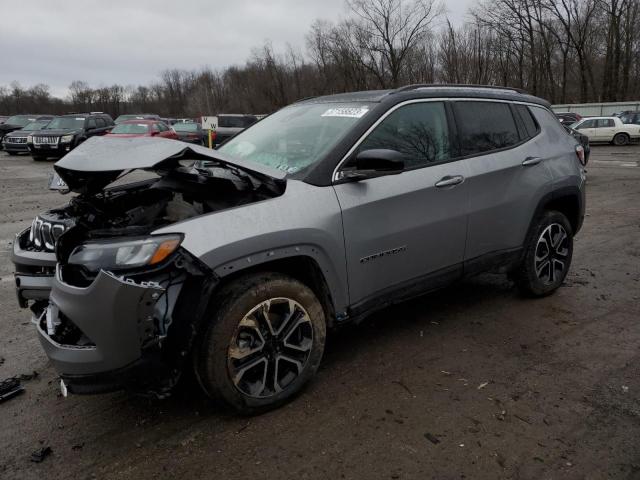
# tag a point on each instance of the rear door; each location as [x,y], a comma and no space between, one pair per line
[406,230]
[507,176]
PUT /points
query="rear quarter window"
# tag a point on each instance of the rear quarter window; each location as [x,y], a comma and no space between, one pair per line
[485,126]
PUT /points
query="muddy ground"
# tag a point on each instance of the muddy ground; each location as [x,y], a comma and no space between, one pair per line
[472,382]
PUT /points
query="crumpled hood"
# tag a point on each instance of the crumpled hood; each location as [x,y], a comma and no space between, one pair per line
[99,161]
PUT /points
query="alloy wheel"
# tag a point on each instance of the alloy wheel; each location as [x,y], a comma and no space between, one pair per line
[552,252]
[270,348]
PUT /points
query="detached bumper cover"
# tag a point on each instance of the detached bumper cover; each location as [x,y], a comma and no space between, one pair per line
[116,315]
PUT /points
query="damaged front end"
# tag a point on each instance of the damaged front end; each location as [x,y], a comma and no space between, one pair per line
[116,306]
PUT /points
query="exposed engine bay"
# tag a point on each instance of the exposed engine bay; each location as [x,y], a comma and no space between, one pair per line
[105,291]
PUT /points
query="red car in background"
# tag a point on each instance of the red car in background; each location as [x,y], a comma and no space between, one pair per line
[143,128]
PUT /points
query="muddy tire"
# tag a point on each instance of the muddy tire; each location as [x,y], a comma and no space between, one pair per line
[547,256]
[621,139]
[263,341]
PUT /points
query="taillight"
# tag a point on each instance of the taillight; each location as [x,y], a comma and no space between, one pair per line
[581,156]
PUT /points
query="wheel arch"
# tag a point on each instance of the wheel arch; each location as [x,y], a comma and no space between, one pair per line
[568,201]
[304,263]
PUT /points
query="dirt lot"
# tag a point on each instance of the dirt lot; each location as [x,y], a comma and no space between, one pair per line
[473,382]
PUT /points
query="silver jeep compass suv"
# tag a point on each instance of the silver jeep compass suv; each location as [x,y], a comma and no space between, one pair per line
[238,260]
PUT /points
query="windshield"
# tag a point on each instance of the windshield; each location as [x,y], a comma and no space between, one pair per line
[296,136]
[66,123]
[20,120]
[38,125]
[185,127]
[130,128]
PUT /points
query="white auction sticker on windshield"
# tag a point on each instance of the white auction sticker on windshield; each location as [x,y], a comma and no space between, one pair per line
[348,112]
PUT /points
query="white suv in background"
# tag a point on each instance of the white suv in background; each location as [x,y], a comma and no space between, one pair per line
[607,129]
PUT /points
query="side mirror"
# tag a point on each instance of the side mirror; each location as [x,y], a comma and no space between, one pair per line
[375,163]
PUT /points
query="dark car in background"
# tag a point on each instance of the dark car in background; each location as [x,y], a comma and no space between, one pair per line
[630,118]
[142,128]
[583,139]
[66,132]
[137,116]
[568,118]
[230,125]
[191,132]
[16,142]
[16,122]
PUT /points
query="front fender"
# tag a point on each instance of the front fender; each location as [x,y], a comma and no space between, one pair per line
[305,221]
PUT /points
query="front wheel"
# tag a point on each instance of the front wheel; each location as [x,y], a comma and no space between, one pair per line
[264,341]
[547,255]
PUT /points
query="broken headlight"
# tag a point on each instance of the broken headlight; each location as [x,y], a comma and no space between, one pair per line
[124,254]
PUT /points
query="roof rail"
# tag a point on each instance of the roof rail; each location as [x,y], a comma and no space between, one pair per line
[454,85]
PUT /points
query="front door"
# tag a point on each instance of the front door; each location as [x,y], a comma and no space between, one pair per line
[406,229]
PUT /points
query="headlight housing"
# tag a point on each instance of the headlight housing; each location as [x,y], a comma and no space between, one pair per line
[124,254]
[66,139]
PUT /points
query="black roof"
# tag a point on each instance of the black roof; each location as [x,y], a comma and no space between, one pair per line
[432,91]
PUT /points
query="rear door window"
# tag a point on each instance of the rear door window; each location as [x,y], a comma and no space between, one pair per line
[419,131]
[485,126]
[528,122]
[91,123]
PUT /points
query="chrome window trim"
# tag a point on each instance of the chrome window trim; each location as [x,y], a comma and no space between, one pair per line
[336,178]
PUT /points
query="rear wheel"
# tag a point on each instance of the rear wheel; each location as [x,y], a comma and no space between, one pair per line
[263,343]
[621,139]
[547,255]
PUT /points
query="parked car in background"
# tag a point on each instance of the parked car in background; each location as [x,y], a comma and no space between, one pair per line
[607,129]
[191,132]
[583,139]
[169,121]
[16,142]
[66,132]
[327,210]
[137,116]
[630,118]
[568,118]
[142,128]
[16,122]
[232,124]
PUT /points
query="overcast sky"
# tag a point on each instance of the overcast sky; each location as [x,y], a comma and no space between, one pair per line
[131,41]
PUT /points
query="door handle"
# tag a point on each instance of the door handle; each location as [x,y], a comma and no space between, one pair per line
[450,181]
[531,161]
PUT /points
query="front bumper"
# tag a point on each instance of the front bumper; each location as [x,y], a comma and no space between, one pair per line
[34,270]
[15,147]
[58,150]
[115,317]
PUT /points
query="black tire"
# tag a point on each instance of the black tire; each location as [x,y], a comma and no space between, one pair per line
[231,332]
[621,139]
[539,273]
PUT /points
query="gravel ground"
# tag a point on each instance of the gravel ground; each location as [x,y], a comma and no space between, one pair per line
[472,382]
